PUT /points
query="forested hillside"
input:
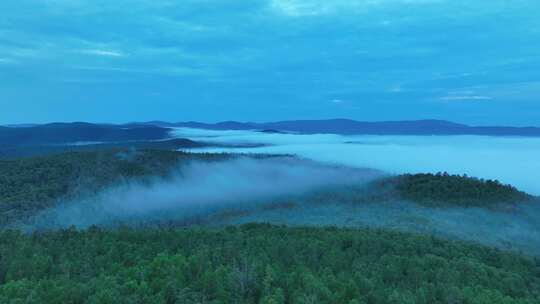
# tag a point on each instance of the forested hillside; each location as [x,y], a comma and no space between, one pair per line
[451,190]
[28,185]
[439,190]
[258,264]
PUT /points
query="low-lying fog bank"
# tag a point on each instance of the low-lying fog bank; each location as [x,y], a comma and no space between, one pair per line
[512,160]
[199,188]
[283,190]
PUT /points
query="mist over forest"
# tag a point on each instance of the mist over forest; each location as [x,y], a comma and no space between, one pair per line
[146,188]
[269,152]
[157,202]
[198,188]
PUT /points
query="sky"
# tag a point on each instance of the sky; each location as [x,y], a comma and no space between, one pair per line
[469,61]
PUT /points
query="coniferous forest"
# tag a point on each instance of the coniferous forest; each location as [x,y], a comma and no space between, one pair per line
[454,190]
[258,263]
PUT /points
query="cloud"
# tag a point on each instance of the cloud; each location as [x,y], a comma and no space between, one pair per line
[465,98]
[105,53]
[305,8]
[396,88]
[466,94]
[7,61]
[164,71]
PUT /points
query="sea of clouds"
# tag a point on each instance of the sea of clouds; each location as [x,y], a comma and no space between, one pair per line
[512,160]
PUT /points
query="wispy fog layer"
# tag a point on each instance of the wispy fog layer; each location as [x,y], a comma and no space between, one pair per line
[513,160]
[270,190]
[199,188]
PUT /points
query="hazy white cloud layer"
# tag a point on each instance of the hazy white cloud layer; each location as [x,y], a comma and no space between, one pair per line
[511,160]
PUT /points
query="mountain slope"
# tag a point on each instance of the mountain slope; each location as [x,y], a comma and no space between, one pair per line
[63,133]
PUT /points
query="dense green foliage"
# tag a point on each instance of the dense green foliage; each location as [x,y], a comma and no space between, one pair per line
[28,185]
[455,190]
[257,264]
[431,190]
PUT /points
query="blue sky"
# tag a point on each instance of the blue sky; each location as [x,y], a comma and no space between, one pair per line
[471,61]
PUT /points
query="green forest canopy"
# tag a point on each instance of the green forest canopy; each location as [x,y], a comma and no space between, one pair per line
[258,263]
[455,190]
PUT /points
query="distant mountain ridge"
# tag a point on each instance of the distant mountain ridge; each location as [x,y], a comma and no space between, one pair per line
[63,133]
[153,130]
[353,127]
